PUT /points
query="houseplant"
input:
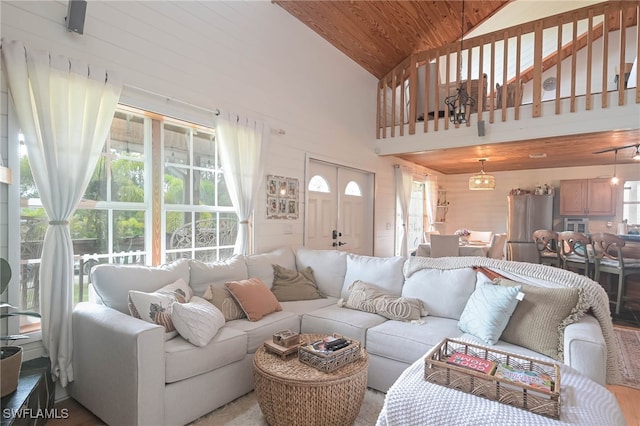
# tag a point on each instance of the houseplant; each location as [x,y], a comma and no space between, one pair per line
[10,356]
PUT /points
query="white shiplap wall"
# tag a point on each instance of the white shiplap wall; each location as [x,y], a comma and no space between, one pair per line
[249,57]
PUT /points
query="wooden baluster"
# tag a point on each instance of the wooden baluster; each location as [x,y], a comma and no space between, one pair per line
[537,70]
[605,56]
[505,70]
[589,60]
[622,47]
[481,86]
[518,94]
[492,107]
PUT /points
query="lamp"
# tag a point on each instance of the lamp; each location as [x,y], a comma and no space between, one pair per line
[460,103]
[636,155]
[614,179]
[482,181]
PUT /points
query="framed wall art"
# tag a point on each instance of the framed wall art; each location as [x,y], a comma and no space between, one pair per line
[282,197]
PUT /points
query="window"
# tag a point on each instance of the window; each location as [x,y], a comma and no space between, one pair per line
[631,202]
[353,188]
[318,184]
[113,222]
[417,218]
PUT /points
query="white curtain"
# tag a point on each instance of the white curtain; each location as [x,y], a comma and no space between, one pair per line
[243,147]
[431,191]
[404,180]
[65,109]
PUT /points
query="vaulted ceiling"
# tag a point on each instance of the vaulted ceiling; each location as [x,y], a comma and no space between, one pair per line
[379,34]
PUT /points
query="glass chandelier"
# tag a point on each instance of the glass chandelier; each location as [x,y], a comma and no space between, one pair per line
[482,181]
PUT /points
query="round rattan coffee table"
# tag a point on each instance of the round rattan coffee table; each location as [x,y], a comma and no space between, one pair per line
[292,393]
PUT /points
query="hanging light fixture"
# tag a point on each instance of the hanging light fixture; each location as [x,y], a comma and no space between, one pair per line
[636,155]
[482,181]
[460,103]
[614,179]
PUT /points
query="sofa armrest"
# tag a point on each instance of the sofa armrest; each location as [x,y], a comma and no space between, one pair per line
[119,365]
[585,349]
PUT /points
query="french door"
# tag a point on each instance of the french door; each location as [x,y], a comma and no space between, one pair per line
[339,208]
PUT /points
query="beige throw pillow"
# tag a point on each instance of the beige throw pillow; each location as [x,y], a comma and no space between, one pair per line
[254,297]
[291,285]
[369,298]
[539,320]
[223,300]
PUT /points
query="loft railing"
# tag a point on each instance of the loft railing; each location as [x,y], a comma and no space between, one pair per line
[565,56]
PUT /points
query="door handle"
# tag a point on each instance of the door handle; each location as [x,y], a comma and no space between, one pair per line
[338,244]
[335,234]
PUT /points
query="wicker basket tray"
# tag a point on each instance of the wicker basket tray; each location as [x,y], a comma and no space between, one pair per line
[438,371]
[332,361]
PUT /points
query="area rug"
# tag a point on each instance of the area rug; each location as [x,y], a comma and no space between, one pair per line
[245,411]
[628,340]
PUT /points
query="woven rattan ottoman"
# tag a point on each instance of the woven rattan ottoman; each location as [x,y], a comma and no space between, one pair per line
[292,393]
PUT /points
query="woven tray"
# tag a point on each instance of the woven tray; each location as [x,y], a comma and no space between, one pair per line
[436,370]
[332,361]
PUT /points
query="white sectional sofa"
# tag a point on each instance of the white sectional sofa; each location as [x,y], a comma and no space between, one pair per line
[127,373]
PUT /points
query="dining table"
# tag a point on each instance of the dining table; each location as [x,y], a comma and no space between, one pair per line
[471,248]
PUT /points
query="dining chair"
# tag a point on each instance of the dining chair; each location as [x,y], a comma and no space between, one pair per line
[496,248]
[444,245]
[484,236]
[546,242]
[427,236]
[609,258]
[576,251]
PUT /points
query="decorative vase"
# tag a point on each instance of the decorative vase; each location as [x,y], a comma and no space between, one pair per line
[10,364]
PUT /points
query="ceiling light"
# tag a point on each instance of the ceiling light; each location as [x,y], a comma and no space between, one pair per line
[460,103]
[636,155]
[537,155]
[482,181]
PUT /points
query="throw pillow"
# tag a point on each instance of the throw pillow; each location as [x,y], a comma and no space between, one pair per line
[539,320]
[369,298]
[254,297]
[291,285]
[223,300]
[488,310]
[156,307]
[197,321]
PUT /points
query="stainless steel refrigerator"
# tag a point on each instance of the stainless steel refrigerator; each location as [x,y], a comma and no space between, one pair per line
[527,213]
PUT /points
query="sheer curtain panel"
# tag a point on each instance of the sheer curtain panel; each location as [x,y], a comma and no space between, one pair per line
[65,108]
[403,180]
[243,144]
[431,195]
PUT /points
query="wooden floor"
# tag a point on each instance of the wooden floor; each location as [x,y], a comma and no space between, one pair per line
[628,399]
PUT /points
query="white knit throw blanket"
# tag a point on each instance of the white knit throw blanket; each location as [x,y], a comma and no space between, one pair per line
[542,276]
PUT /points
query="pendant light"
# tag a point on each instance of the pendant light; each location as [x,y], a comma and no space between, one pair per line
[460,103]
[482,181]
[614,179]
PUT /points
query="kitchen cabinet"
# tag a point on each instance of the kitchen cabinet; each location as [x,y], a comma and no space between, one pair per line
[587,197]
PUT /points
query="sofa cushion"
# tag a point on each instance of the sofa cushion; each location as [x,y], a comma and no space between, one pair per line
[223,300]
[197,321]
[369,298]
[260,331]
[301,307]
[444,293]
[406,342]
[488,311]
[329,268]
[539,320]
[112,281]
[260,265]
[289,284]
[156,307]
[203,274]
[384,272]
[253,296]
[334,319]
[184,360]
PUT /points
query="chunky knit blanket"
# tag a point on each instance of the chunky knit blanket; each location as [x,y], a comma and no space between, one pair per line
[543,276]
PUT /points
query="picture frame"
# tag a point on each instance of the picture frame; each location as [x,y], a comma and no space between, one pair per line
[282,197]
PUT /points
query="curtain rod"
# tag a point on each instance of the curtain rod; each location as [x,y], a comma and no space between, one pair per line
[215,112]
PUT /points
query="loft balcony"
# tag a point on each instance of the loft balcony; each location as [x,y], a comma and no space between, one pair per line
[571,73]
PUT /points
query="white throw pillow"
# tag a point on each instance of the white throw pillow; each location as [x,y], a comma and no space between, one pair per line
[383,272]
[156,307]
[197,321]
[488,311]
